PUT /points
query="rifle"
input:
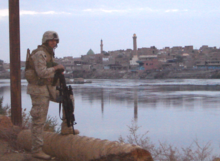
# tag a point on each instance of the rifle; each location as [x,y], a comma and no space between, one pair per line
[65,92]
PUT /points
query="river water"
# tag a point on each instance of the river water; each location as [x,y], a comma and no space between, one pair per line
[175,111]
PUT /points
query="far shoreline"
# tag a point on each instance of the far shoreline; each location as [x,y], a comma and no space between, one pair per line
[156,74]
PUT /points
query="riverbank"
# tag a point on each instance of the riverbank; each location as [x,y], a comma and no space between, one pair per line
[166,74]
[160,74]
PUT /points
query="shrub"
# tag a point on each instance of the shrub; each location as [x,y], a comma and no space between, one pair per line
[3,110]
[51,124]
[166,152]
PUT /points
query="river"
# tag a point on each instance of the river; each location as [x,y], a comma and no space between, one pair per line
[175,111]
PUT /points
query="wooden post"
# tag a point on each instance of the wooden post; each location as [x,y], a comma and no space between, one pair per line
[15,72]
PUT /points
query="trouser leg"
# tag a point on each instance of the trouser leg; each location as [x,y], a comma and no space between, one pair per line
[39,115]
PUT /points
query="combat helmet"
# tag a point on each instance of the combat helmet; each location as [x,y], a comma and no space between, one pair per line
[50,35]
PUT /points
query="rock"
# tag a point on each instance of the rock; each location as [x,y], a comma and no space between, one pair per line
[5,122]
[88,82]
[68,81]
[78,80]
[16,129]
[78,148]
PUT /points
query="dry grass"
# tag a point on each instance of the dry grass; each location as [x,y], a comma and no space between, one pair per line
[51,124]
[10,134]
[166,152]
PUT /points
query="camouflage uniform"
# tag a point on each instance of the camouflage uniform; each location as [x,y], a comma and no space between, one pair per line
[41,92]
[39,72]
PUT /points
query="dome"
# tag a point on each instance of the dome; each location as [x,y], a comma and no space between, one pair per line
[90,52]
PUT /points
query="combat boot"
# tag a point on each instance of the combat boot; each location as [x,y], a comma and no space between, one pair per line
[65,130]
[41,155]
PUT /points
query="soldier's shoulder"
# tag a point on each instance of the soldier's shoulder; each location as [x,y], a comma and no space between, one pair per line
[39,49]
[39,54]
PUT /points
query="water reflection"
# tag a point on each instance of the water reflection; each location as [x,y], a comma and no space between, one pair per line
[135,105]
[171,97]
[176,111]
[102,102]
[188,97]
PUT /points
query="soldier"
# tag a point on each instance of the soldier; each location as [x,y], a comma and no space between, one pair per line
[39,72]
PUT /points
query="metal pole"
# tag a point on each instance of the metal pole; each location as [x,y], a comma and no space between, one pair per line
[15,73]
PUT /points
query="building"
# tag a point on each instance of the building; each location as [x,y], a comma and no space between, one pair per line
[2,66]
[208,61]
[151,64]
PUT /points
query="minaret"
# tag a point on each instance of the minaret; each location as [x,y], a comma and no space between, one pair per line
[135,44]
[101,46]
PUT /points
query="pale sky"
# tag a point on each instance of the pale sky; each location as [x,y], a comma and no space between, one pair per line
[81,24]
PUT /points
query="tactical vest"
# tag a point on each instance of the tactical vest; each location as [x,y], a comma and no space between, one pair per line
[30,72]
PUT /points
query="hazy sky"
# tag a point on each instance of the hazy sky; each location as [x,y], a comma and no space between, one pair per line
[81,24]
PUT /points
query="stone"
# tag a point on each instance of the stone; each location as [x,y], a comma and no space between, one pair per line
[78,148]
[216,159]
[5,122]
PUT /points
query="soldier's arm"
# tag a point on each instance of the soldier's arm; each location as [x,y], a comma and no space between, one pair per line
[40,65]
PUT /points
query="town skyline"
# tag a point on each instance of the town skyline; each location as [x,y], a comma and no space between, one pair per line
[130,48]
[82,24]
[138,62]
